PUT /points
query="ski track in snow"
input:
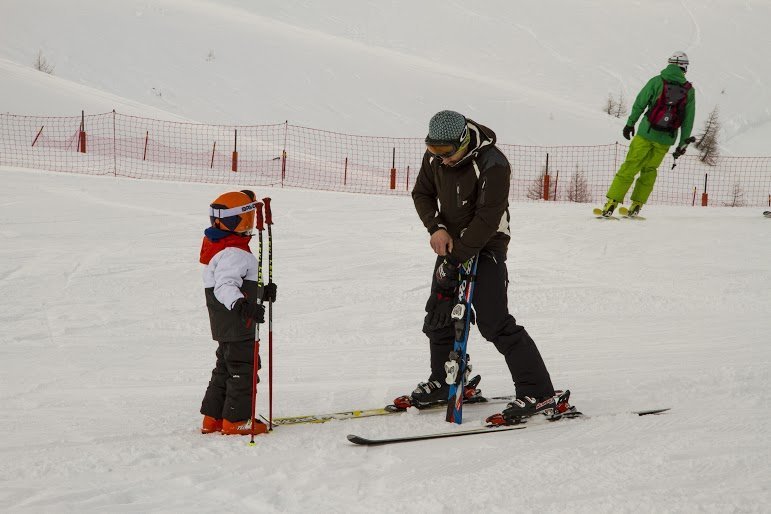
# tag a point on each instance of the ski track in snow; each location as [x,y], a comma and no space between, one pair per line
[105,354]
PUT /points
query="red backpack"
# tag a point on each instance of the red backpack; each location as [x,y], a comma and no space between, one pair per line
[669,110]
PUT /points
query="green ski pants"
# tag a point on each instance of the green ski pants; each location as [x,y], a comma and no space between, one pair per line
[644,156]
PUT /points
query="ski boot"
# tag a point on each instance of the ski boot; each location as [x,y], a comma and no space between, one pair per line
[610,206]
[434,392]
[525,407]
[211,424]
[632,212]
[243,427]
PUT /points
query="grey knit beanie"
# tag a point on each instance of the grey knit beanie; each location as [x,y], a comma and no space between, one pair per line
[446,127]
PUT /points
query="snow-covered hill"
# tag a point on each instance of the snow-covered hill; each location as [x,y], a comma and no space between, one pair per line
[538,73]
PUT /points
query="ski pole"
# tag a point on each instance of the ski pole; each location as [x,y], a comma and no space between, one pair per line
[677,153]
[269,222]
[256,357]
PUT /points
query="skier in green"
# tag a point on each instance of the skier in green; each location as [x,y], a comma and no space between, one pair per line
[670,101]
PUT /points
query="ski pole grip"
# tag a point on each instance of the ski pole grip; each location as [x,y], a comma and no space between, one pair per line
[268,213]
[258,217]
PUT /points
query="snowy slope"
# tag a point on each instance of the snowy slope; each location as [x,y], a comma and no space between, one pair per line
[538,73]
[105,354]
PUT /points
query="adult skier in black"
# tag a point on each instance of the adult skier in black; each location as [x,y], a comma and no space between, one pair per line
[461,195]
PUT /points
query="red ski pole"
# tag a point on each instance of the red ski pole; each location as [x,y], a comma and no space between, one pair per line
[255,365]
[269,222]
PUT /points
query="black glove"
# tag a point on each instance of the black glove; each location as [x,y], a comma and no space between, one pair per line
[446,276]
[678,152]
[439,312]
[249,310]
[269,292]
[628,132]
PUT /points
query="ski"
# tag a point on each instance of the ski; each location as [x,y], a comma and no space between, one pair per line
[487,429]
[456,366]
[383,411]
[355,439]
[624,212]
[767,214]
[651,411]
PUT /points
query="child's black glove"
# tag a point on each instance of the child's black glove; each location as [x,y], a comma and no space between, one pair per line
[628,131]
[249,310]
[269,292]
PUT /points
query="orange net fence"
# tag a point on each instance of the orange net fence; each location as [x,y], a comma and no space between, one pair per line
[293,156]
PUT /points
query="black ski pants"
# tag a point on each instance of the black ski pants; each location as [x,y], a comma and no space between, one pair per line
[229,394]
[490,301]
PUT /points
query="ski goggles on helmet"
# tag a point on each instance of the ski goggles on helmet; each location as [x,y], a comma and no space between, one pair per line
[233,211]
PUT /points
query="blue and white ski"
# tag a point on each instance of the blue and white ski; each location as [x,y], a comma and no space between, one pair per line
[461,315]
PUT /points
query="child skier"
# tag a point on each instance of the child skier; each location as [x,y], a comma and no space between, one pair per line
[234,299]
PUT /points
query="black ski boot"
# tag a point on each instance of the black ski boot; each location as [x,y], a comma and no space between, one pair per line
[525,407]
[434,392]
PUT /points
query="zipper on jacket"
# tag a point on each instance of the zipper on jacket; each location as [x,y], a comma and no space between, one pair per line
[457,194]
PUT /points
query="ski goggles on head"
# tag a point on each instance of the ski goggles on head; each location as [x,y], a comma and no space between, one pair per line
[233,211]
[445,149]
[442,151]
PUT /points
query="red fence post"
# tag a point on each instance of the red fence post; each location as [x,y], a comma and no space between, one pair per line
[546,180]
[704,196]
[234,165]
[82,133]
[393,170]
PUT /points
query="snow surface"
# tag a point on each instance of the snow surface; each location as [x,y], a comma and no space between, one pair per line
[105,349]
[105,353]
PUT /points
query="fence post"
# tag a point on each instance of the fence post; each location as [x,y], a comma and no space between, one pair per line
[345,172]
[393,170]
[283,153]
[114,147]
[693,202]
[147,136]
[38,135]
[82,133]
[407,182]
[556,179]
[546,180]
[704,196]
[234,165]
[213,147]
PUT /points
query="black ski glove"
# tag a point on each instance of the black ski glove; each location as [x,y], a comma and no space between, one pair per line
[680,150]
[439,312]
[628,132]
[269,292]
[249,310]
[446,276]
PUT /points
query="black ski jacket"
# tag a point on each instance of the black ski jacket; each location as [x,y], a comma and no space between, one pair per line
[470,199]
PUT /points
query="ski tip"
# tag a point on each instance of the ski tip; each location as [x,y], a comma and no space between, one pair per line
[356,439]
[651,411]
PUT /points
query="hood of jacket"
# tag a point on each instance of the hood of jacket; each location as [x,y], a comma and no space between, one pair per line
[481,138]
[673,73]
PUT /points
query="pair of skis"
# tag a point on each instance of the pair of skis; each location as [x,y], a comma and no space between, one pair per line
[458,362]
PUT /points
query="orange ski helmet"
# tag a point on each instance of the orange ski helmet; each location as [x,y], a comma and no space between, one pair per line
[234,212]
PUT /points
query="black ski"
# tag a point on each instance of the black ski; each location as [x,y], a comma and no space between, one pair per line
[651,411]
[355,439]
